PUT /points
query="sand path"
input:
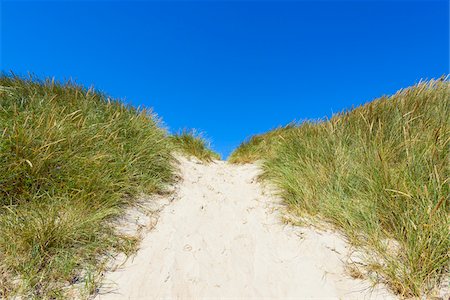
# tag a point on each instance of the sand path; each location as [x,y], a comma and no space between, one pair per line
[222,237]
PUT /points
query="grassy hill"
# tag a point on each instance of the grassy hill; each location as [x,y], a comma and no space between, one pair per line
[71,159]
[380,173]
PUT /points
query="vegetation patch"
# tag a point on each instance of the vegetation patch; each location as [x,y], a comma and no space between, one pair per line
[71,159]
[192,143]
[381,174]
[259,146]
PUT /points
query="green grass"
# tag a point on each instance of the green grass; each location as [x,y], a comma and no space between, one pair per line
[259,146]
[71,160]
[380,173]
[191,143]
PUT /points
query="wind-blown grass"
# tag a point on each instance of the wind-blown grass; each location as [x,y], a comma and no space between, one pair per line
[71,159]
[191,143]
[381,174]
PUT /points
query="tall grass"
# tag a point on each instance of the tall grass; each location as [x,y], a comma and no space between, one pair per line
[381,174]
[71,159]
[191,143]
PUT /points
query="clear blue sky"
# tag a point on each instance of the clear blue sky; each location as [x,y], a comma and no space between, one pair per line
[231,68]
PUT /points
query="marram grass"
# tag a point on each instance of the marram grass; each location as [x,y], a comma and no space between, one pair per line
[381,174]
[259,146]
[71,159]
[191,143]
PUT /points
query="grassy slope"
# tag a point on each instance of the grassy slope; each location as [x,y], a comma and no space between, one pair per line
[381,174]
[71,159]
[191,143]
[259,146]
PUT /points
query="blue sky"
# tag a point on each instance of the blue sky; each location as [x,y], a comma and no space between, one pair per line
[230,68]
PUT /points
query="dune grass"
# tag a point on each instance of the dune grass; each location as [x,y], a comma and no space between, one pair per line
[71,159]
[259,146]
[192,143]
[381,174]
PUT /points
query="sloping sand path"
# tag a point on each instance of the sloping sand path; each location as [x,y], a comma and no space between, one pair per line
[222,237]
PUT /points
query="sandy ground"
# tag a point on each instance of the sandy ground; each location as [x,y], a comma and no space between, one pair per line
[221,236]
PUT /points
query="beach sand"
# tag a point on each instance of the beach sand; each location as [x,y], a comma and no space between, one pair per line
[221,235]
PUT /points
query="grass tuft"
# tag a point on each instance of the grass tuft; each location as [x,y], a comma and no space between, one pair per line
[71,159]
[191,143]
[381,174]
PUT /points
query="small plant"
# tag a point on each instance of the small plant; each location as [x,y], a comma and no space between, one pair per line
[191,143]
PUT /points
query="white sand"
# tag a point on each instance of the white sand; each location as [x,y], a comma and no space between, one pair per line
[222,237]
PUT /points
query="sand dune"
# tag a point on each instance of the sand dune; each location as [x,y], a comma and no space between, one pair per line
[222,237]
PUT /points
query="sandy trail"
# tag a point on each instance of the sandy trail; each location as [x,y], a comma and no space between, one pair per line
[222,237]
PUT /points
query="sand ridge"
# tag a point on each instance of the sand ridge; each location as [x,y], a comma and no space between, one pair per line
[223,237]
